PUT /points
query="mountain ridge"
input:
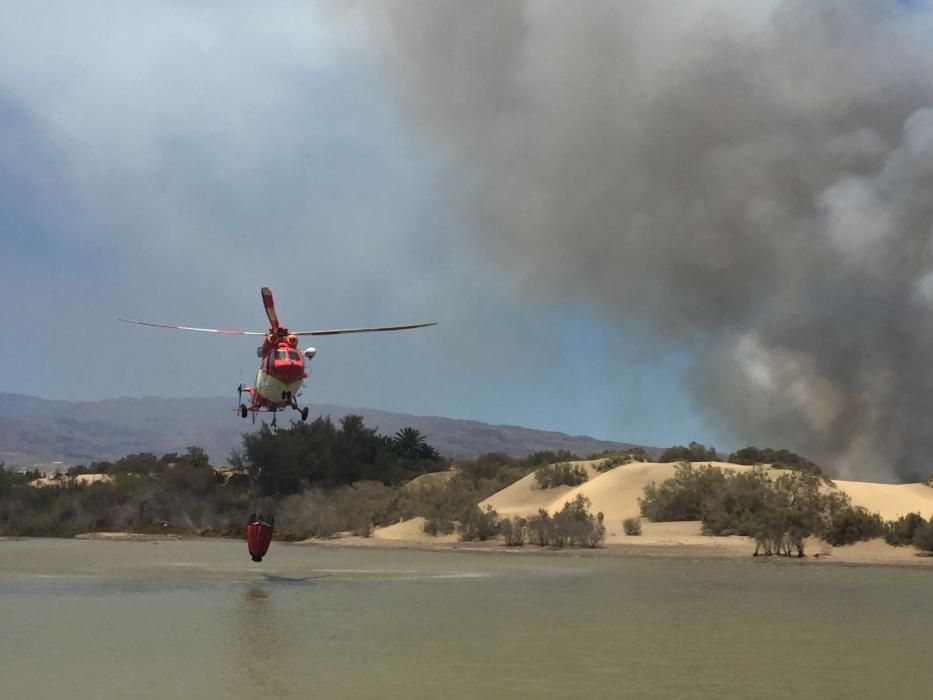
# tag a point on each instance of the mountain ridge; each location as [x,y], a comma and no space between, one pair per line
[47,433]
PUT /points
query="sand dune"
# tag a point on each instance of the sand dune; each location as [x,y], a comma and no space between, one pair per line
[410,531]
[890,500]
[615,493]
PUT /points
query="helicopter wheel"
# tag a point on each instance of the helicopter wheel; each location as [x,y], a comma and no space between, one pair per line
[304,414]
[243,410]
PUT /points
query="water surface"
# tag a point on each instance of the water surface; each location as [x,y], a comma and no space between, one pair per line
[198,619]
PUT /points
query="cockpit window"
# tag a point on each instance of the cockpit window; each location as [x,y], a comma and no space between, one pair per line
[292,355]
[281,355]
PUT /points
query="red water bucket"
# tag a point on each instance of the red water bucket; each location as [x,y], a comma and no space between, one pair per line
[258,538]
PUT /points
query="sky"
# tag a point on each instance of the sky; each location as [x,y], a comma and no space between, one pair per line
[559,188]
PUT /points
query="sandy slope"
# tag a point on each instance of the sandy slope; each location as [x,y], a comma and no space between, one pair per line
[410,531]
[615,493]
[890,500]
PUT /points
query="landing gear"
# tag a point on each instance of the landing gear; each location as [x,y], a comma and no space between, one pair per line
[243,410]
[302,411]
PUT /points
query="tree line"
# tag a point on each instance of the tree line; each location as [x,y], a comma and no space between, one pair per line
[320,478]
[183,493]
[778,513]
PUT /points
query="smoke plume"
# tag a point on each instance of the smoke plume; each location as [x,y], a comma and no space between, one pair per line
[750,183]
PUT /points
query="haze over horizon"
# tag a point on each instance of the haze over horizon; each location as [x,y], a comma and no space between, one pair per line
[637,221]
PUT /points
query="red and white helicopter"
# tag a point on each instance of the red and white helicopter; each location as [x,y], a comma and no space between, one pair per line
[282,367]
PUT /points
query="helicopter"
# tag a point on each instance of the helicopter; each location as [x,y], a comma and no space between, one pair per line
[282,369]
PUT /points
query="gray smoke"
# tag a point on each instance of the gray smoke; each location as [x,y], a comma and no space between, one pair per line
[749,182]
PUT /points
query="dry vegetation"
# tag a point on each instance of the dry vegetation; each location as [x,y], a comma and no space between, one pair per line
[779,513]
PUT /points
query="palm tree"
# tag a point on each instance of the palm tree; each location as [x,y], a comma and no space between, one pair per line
[409,442]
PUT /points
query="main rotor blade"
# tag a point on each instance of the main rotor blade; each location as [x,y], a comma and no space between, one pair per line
[341,331]
[188,328]
[268,302]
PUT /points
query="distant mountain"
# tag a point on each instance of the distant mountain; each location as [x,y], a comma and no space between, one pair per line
[39,432]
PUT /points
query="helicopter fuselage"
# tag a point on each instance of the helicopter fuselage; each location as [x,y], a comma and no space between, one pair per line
[280,375]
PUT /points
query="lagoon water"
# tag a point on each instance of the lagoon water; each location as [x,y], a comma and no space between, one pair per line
[198,619]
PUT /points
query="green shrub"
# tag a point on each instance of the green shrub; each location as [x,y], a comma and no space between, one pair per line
[853,524]
[513,531]
[901,532]
[779,514]
[611,460]
[923,538]
[694,452]
[539,528]
[738,505]
[439,526]
[609,464]
[477,524]
[682,497]
[780,459]
[574,525]
[542,457]
[562,474]
[632,526]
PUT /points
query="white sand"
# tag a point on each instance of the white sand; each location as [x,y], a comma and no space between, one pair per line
[81,479]
[890,500]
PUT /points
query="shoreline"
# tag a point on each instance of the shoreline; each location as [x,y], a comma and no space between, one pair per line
[871,553]
[906,558]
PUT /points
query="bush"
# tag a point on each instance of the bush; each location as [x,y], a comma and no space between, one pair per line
[901,532]
[780,459]
[186,497]
[609,464]
[572,526]
[694,452]
[780,514]
[441,504]
[539,528]
[738,505]
[562,474]
[542,457]
[923,538]
[611,460]
[513,531]
[632,526]
[490,473]
[682,497]
[853,524]
[439,526]
[575,526]
[324,513]
[477,524]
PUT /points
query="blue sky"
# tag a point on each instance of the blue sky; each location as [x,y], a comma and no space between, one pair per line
[165,163]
